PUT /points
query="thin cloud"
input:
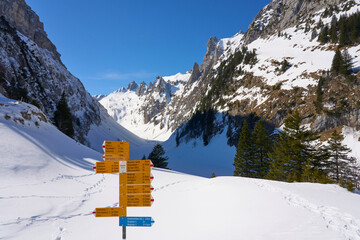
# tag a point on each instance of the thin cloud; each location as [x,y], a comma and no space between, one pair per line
[123,76]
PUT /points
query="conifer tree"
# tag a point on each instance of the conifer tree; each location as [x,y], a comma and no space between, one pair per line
[323,36]
[157,156]
[333,32]
[354,33]
[339,162]
[338,62]
[63,117]
[262,147]
[280,157]
[344,38]
[293,151]
[243,161]
[347,65]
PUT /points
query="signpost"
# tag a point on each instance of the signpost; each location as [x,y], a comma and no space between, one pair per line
[134,184]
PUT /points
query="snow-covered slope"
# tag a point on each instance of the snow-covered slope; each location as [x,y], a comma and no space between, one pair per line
[48,191]
[195,158]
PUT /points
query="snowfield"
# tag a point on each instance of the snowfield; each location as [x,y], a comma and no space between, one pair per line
[48,191]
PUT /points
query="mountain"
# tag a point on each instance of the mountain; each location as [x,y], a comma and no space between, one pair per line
[31,71]
[49,190]
[148,109]
[280,64]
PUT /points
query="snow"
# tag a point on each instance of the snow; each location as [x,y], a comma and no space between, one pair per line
[253,94]
[177,77]
[48,191]
[195,158]
[352,141]
[127,108]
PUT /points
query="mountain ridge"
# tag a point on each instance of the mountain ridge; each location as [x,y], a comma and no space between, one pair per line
[31,71]
[263,87]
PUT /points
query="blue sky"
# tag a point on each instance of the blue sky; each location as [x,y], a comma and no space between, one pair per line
[108,43]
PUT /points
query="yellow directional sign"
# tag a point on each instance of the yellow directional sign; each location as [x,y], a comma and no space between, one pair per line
[107,167]
[139,166]
[144,200]
[110,212]
[115,157]
[115,150]
[135,189]
[135,178]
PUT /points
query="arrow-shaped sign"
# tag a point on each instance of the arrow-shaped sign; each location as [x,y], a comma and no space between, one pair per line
[135,189]
[110,212]
[139,165]
[136,221]
[136,200]
[115,151]
[135,178]
[107,167]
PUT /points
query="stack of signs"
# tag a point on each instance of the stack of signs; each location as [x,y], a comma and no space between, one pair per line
[134,183]
[135,189]
[115,151]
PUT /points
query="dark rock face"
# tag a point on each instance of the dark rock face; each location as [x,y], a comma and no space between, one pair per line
[195,75]
[25,20]
[132,86]
[34,74]
[283,14]
[141,89]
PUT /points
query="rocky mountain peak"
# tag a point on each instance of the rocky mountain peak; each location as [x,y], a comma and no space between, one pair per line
[141,89]
[132,86]
[195,74]
[27,22]
[211,47]
[161,86]
[280,14]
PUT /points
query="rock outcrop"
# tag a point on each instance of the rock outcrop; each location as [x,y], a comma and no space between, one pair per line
[26,21]
[281,14]
[31,70]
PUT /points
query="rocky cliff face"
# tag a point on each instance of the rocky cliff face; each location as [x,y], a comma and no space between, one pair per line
[31,71]
[32,74]
[282,14]
[23,19]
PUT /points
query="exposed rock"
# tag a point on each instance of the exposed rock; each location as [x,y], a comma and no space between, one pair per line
[281,14]
[195,74]
[132,86]
[141,89]
[26,21]
[35,75]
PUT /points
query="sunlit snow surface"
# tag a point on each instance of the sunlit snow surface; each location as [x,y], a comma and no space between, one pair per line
[48,191]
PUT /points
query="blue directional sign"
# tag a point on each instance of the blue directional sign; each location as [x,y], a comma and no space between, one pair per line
[136,221]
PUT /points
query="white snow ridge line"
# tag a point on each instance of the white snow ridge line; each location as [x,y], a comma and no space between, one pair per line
[344,223]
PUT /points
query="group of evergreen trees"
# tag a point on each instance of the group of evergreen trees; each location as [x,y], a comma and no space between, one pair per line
[294,154]
[345,31]
[252,153]
[202,124]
